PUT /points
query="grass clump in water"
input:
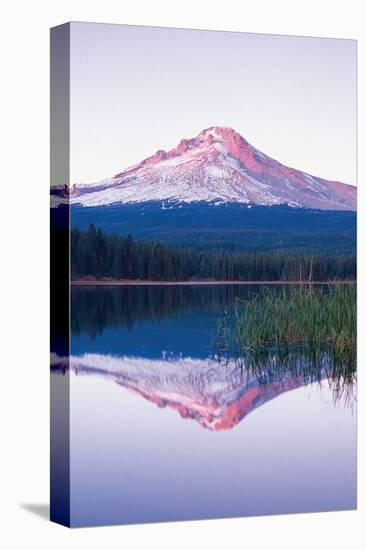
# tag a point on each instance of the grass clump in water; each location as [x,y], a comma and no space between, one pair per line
[312,323]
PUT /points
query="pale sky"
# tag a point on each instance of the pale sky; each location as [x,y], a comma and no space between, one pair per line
[135,90]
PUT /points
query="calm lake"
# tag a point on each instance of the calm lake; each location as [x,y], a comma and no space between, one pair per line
[161,430]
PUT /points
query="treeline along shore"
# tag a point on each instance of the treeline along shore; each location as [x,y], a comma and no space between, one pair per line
[95,254]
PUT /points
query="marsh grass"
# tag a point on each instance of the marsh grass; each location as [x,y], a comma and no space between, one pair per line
[302,331]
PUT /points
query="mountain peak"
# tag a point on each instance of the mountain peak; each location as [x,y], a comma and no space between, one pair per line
[207,137]
[216,165]
[221,134]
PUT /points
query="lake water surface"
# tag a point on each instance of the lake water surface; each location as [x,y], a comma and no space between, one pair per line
[160,430]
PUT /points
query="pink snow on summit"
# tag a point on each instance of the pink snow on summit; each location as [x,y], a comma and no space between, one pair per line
[218,165]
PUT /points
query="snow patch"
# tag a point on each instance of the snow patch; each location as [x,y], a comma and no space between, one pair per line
[215,171]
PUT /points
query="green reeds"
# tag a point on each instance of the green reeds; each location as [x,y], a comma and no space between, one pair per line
[305,329]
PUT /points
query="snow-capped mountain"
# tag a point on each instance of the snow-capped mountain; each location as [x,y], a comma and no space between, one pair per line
[218,165]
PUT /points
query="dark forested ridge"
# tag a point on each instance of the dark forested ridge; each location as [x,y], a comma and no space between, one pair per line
[229,227]
[96,254]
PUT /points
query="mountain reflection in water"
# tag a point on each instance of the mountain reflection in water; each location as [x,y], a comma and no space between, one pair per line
[217,395]
[159,423]
[158,342]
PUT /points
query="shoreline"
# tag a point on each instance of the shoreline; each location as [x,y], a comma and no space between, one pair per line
[135,282]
